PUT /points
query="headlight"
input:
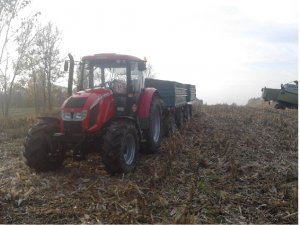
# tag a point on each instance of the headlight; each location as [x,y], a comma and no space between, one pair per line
[76,116]
[66,116]
[79,116]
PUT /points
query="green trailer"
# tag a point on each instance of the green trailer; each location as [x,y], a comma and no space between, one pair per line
[174,94]
[285,97]
[191,93]
[177,100]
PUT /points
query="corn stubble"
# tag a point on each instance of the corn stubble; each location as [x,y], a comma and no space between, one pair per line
[230,164]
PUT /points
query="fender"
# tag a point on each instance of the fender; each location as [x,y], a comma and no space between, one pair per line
[48,124]
[145,102]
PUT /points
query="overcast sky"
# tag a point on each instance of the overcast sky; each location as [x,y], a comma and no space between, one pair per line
[229,48]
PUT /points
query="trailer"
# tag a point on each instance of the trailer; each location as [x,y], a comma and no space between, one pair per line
[177,102]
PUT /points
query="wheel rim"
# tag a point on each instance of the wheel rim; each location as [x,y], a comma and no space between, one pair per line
[155,126]
[129,151]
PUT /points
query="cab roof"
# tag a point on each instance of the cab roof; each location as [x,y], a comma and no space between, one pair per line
[110,56]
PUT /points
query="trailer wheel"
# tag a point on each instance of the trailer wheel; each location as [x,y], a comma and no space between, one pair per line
[154,133]
[280,106]
[179,118]
[187,113]
[191,111]
[41,152]
[120,147]
[169,125]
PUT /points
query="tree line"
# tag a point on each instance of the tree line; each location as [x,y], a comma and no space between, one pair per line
[29,58]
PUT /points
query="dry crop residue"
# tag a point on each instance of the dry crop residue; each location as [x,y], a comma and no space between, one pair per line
[230,164]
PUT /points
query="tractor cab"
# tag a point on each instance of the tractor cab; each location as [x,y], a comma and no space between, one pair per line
[122,74]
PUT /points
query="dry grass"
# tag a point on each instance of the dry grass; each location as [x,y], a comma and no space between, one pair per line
[229,165]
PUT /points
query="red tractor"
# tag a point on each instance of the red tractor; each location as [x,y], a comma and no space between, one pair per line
[112,113]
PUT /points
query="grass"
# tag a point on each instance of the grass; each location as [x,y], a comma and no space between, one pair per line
[229,165]
[26,112]
[21,112]
[19,121]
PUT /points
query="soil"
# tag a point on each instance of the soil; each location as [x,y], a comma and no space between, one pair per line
[230,164]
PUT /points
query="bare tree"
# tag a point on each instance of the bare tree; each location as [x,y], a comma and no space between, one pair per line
[149,72]
[47,43]
[14,33]
[33,81]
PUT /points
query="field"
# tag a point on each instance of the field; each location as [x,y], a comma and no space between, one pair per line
[230,164]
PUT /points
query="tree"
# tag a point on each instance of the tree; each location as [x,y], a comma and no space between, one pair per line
[34,90]
[43,68]
[18,34]
[47,44]
[149,73]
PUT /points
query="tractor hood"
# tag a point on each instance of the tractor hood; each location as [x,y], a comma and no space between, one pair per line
[87,110]
[85,100]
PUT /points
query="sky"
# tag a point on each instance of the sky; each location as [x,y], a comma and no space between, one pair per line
[229,49]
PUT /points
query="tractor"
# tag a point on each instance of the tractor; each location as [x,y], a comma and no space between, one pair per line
[112,113]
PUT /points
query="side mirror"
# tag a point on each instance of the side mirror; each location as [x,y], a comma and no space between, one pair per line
[66,66]
[142,66]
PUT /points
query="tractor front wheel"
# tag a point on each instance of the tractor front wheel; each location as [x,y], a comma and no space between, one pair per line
[120,147]
[41,152]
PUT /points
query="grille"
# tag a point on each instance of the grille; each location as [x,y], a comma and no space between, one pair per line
[72,127]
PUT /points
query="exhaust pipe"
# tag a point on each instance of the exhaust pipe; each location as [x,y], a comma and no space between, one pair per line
[71,73]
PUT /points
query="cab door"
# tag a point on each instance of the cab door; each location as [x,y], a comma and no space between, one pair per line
[135,85]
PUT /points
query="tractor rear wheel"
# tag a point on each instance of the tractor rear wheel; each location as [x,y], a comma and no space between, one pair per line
[41,152]
[154,133]
[120,147]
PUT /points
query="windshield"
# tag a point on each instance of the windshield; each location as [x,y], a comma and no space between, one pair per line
[111,74]
[99,76]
